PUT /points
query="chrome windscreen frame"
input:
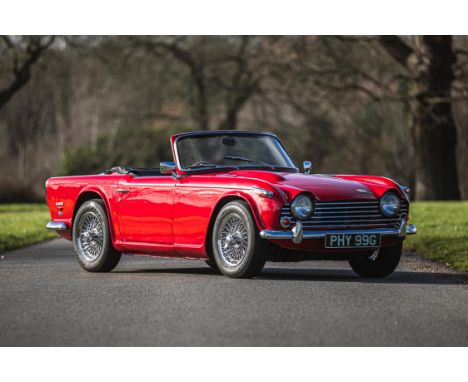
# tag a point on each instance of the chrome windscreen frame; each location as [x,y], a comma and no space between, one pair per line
[222,132]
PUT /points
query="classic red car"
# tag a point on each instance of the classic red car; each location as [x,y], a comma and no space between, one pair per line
[236,200]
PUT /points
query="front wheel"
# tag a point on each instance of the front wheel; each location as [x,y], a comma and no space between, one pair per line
[212,265]
[237,248]
[380,263]
[91,238]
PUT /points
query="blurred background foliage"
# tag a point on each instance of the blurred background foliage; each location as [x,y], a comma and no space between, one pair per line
[91,103]
[145,149]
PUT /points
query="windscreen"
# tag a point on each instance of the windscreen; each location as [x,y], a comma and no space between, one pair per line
[232,150]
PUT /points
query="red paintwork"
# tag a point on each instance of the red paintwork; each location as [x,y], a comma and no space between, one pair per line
[170,217]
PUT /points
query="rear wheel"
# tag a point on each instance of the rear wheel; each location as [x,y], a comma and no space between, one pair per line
[91,238]
[380,263]
[237,248]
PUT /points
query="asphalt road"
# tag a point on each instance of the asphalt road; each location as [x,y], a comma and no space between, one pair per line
[47,299]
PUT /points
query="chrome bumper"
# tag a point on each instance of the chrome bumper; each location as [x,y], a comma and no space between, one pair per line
[56,226]
[297,234]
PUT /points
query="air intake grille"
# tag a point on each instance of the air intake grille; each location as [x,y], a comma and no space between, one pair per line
[349,215]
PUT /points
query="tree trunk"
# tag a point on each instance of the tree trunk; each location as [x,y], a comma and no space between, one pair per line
[201,102]
[434,130]
[233,109]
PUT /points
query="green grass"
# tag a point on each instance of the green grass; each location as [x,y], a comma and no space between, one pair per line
[22,225]
[442,232]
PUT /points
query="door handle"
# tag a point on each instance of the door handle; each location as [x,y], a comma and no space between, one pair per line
[122,191]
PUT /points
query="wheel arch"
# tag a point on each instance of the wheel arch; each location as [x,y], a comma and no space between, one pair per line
[219,205]
[90,194]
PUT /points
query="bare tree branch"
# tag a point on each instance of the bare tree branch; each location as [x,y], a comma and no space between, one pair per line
[197,76]
[397,48]
[22,70]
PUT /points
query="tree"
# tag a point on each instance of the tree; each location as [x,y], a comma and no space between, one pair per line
[421,75]
[22,54]
[430,65]
[349,104]
[223,74]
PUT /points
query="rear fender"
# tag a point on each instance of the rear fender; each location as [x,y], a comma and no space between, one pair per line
[91,192]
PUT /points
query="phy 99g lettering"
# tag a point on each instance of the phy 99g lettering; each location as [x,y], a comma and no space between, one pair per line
[348,240]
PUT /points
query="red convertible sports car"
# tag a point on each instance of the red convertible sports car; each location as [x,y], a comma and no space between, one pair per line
[236,200]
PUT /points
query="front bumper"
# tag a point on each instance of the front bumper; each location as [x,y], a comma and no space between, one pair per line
[297,233]
[56,226]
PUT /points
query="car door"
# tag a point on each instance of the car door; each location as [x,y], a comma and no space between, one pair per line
[194,201]
[145,209]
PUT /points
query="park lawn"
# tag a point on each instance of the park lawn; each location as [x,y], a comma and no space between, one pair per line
[22,225]
[442,232]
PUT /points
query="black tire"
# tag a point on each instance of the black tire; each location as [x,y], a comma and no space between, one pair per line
[212,265]
[252,253]
[383,265]
[104,257]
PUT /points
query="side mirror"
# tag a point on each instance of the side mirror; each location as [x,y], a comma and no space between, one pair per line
[167,167]
[307,167]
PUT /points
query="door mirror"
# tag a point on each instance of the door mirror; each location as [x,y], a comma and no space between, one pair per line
[167,167]
[307,167]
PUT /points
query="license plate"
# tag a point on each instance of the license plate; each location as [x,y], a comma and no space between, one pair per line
[352,240]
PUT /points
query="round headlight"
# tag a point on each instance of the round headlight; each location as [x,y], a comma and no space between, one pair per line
[390,204]
[302,207]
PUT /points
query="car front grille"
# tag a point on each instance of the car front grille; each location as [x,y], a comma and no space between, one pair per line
[348,215]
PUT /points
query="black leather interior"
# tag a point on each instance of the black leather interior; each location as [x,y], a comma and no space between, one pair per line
[135,171]
[146,172]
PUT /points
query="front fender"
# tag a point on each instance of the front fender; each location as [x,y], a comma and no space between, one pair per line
[265,210]
[378,184]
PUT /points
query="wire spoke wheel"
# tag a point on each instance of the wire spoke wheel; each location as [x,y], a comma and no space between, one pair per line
[236,248]
[232,239]
[90,236]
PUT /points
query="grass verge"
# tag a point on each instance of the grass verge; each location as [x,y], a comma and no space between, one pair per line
[22,225]
[442,232]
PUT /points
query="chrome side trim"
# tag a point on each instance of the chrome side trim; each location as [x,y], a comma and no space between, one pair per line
[56,226]
[262,192]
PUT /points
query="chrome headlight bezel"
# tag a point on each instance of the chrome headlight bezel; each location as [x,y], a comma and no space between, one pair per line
[302,207]
[390,204]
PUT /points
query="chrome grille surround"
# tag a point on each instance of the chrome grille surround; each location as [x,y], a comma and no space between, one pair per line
[351,214]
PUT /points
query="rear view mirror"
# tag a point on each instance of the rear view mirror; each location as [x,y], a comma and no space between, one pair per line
[307,167]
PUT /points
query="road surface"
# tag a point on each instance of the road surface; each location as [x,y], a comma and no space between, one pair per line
[47,299]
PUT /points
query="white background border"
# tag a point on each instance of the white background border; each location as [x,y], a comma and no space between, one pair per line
[233,17]
[232,364]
